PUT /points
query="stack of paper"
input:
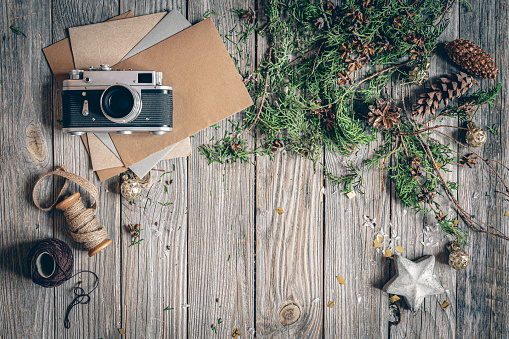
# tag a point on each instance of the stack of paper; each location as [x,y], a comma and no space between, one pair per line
[207,87]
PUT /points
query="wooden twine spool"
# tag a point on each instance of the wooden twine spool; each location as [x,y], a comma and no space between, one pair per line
[82,221]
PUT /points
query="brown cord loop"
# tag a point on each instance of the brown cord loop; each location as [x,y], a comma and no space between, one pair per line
[83,224]
[62,172]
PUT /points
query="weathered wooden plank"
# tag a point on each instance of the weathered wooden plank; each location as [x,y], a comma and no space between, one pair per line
[26,153]
[289,247]
[361,308]
[154,273]
[221,218]
[102,317]
[482,308]
[431,321]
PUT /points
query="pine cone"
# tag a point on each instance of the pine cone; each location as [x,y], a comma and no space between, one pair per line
[471,58]
[384,115]
[447,88]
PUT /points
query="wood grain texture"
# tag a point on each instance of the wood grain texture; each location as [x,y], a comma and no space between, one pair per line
[220,250]
[26,309]
[102,317]
[289,248]
[154,273]
[484,283]
[361,308]
[221,218]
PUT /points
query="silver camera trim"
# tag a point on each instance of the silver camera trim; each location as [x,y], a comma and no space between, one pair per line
[135,111]
[80,131]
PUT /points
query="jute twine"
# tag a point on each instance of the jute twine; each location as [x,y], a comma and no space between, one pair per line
[82,221]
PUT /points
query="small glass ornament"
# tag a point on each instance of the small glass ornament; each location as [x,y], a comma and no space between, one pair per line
[476,136]
[458,259]
[130,188]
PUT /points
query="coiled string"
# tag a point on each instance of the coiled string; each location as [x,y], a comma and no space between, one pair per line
[83,224]
[50,263]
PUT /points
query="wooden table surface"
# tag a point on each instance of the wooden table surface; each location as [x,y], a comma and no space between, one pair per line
[221,251]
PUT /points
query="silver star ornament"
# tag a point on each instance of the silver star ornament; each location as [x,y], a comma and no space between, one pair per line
[414,280]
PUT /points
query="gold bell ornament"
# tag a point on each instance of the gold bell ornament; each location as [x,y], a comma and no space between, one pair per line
[458,258]
[476,136]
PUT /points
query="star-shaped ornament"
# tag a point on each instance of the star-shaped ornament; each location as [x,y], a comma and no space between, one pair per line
[414,280]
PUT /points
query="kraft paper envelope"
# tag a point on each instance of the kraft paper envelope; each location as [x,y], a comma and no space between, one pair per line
[59,55]
[179,150]
[207,87]
[108,42]
[171,24]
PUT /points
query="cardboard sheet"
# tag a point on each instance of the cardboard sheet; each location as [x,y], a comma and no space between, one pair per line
[143,167]
[171,24]
[207,87]
[106,140]
[59,55]
[179,150]
[108,42]
[100,156]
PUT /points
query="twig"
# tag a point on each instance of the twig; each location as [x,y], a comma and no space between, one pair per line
[383,164]
[263,96]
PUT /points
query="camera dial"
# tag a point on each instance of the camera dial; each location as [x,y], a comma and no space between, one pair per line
[120,103]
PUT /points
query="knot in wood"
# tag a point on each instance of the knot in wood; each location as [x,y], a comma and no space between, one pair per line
[289,314]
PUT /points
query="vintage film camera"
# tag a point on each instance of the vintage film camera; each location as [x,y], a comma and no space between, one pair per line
[106,100]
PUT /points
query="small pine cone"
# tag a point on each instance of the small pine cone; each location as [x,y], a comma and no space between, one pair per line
[471,58]
[447,88]
[384,115]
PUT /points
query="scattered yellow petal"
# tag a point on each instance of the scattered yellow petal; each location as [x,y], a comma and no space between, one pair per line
[377,243]
[280,210]
[506,213]
[121,330]
[388,253]
[445,305]
[236,333]
[394,298]
[341,280]
[399,249]
[351,194]
[439,165]
[330,304]
[379,237]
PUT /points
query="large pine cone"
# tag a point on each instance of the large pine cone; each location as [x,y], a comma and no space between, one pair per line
[384,115]
[447,88]
[471,58]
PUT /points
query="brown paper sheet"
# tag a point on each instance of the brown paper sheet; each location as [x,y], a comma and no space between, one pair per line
[181,149]
[207,87]
[100,156]
[108,42]
[59,55]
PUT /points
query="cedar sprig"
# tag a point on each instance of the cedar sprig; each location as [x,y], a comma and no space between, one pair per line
[351,181]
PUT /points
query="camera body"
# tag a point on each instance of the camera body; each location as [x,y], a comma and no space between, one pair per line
[106,100]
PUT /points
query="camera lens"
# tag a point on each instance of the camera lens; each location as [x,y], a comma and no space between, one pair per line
[120,103]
